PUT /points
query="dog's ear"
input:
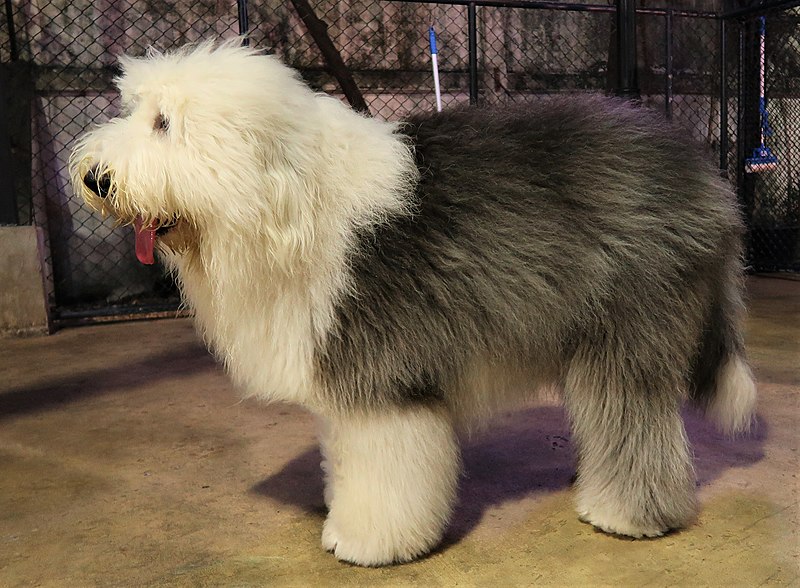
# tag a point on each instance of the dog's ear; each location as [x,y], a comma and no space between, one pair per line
[291,229]
[127,66]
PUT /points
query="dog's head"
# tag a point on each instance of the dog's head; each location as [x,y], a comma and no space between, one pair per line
[206,139]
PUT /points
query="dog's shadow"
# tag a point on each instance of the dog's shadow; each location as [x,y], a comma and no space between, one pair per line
[522,454]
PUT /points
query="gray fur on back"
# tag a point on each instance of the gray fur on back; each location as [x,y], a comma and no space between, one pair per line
[541,233]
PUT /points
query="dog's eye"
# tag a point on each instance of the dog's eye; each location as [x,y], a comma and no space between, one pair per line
[161,124]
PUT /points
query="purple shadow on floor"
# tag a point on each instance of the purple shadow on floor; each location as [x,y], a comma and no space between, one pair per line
[519,455]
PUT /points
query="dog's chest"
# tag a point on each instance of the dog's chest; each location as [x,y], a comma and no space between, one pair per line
[263,335]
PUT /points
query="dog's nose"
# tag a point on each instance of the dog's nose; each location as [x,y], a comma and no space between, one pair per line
[98,183]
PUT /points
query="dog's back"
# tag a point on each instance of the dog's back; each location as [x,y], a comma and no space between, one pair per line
[535,230]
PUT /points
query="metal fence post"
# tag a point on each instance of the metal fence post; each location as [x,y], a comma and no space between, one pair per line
[723,97]
[627,79]
[8,200]
[473,52]
[333,59]
[742,190]
[244,24]
[668,71]
[12,33]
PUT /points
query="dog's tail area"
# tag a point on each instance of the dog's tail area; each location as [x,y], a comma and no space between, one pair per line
[722,384]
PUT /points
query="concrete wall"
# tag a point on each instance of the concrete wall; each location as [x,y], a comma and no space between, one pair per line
[23,304]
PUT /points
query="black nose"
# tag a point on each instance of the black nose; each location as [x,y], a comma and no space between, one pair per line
[99,184]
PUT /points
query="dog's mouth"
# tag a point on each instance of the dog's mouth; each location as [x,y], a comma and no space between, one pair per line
[146,237]
[98,184]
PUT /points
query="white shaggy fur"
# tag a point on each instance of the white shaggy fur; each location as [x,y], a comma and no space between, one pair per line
[391,482]
[734,404]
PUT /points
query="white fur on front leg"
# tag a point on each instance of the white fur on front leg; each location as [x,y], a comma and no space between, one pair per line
[395,478]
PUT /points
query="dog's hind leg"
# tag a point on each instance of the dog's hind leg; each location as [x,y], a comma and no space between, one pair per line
[391,482]
[635,475]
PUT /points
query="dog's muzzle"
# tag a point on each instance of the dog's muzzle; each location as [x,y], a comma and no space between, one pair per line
[145,232]
[98,183]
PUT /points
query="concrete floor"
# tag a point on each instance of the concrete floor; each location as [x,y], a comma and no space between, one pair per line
[127,459]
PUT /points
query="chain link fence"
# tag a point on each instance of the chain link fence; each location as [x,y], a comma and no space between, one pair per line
[59,59]
[771,196]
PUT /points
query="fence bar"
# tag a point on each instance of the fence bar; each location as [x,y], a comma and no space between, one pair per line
[69,318]
[334,63]
[723,97]
[627,83]
[244,24]
[473,52]
[8,200]
[9,214]
[761,8]
[12,32]
[741,133]
[564,6]
[668,71]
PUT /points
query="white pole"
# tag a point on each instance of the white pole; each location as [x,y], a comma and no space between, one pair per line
[435,64]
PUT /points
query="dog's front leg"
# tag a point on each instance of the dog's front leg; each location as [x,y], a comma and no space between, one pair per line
[391,479]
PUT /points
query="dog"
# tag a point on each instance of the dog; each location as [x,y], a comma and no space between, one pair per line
[404,280]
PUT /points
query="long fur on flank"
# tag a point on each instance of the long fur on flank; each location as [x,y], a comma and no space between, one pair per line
[403,280]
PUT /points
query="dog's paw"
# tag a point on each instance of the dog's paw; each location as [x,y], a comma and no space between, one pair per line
[368,551]
[355,552]
[617,525]
[329,537]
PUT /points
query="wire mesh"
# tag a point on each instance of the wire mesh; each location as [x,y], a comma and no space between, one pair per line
[773,195]
[66,53]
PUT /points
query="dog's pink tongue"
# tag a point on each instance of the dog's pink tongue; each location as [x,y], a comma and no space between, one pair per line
[145,241]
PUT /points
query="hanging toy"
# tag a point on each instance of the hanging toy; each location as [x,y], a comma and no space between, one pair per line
[762,158]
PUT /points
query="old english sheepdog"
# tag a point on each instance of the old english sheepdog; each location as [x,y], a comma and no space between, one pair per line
[403,280]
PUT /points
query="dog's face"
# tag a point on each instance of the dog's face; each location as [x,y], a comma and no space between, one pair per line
[202,140]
